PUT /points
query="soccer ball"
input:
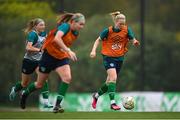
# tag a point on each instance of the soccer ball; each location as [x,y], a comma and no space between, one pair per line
[128,103]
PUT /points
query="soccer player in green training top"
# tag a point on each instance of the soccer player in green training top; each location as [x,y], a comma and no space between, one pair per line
[35,32]
[114,46]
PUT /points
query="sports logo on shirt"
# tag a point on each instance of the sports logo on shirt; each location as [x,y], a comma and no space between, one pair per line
[116,46]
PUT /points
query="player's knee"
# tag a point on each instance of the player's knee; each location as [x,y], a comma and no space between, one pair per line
[24,84]
[39,85]
[67,79]
[112,78]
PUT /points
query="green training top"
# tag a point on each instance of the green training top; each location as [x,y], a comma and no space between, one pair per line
[37,40]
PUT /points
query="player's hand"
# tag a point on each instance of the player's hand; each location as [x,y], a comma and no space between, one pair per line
[72,55]
[136,42]
[93,54]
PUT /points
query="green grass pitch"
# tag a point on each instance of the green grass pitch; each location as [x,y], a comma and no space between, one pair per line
[90,115]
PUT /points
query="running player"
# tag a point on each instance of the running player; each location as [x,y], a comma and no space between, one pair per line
[35,32]
[56,56]
[114,46]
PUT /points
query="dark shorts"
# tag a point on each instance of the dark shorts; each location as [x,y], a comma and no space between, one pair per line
[112,62]
[49,63]
[29,66]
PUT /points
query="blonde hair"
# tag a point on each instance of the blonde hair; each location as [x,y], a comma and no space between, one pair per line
[31,24]
[67,17]
[117,15]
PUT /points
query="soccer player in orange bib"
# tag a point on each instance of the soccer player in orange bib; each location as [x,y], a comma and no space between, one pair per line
[56,56]
[114,46]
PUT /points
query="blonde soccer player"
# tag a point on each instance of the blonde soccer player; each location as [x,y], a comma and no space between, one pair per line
[114,41]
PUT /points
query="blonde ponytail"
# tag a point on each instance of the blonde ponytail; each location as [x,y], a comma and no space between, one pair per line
[117,15]
[29,27]
[67,17]
[31,24]
[114,14]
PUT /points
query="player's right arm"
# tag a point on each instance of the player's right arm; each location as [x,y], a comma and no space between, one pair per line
[60,43]
[30,48]
[103,36]
[93,51]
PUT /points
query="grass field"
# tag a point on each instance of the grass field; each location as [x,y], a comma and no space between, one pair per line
[90,115]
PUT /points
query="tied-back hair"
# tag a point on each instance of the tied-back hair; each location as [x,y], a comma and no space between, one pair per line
[114,14]
[31,24]
[67,17]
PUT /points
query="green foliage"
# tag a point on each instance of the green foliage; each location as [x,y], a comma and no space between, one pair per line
[26,10]
[162,59]
[164,12]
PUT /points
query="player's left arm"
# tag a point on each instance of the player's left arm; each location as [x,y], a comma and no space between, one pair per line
[132,37]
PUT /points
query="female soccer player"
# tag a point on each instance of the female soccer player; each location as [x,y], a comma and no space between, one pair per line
[56,56]
[114,41]
[36,34]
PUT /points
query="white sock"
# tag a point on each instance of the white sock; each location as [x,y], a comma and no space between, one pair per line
[45,101]
[96,95]
[113,102]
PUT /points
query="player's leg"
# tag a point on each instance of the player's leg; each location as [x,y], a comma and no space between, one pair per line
[65,74]
[111,82]
[111,66]
[104,87]
[42,77]
[100,92]
[19,86]
[45,67]
[45,93]
[28,68]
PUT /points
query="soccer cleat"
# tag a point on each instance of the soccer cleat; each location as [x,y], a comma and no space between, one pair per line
[57,109]
[94,102]
[23,100]
[12,94]
[115,107]
[48,105]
